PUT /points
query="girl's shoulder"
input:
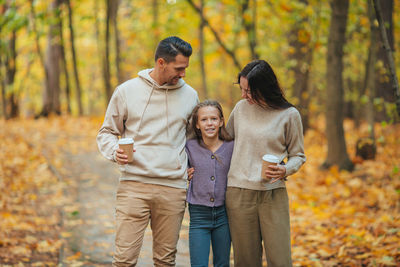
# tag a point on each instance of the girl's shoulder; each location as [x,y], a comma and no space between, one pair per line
[192,143]
[229,145]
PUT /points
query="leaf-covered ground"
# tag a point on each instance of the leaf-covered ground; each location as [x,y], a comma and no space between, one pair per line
[338,218]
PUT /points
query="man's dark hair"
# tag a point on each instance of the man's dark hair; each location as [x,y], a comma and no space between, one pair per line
[172,46]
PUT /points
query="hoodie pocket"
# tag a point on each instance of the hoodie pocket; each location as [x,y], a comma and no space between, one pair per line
[157,161]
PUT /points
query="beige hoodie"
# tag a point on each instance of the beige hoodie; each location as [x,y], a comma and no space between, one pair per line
[156,117]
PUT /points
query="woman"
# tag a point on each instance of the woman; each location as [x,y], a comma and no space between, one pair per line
[264,122]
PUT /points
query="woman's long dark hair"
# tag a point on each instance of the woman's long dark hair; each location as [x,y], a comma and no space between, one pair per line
[264,86]
[222,133]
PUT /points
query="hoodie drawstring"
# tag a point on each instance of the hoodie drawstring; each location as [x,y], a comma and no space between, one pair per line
[145,107]
[147,103]
[166,106]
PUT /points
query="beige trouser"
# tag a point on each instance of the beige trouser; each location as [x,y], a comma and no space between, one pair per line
[256,216]
[139,203]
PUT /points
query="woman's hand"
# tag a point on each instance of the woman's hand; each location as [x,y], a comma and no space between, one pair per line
[190,173]
[122,158]
[275,173]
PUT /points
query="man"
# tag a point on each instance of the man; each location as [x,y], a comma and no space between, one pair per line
[154,110]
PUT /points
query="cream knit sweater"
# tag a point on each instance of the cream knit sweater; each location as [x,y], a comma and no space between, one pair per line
[258,131]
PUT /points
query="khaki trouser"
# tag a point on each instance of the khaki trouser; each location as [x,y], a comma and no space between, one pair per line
[256,216]
[139,203]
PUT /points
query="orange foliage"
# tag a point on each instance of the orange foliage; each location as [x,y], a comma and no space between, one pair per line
[337,218]
[347,219]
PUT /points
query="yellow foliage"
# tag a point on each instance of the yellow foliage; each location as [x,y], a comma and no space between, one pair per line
[337,217]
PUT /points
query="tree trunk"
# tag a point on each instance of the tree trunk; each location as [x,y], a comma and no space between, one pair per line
[114,20]
[8,35]
[37,41]
[51,94]
[387,40]
[156,24]
[201,52]
[337,152]
[383,84]
[230,52]
[65,67]
[106,58]
[250,26]
[370,71]
[11,99]
[300,40]
[3,87]
[75,64]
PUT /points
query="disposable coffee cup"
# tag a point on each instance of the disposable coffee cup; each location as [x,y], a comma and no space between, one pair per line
[268,160]
[126,144]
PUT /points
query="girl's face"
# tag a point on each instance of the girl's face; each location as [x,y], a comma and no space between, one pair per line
[244,87]
[209,122]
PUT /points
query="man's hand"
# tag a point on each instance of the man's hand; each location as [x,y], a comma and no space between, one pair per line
[190,173]
[122,158]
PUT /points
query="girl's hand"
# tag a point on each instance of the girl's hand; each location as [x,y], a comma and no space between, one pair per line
[275,173]
[190,173]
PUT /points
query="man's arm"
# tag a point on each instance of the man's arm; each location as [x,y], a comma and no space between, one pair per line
[113,126]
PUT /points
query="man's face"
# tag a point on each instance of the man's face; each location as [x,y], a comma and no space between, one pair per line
[171,72]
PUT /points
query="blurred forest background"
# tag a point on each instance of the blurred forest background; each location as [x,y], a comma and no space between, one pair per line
[66,57]
[60,61]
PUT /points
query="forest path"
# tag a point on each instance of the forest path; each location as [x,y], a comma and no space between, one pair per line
[90,222]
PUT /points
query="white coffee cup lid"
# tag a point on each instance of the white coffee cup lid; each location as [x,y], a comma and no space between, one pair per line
[270,158]
[125,141]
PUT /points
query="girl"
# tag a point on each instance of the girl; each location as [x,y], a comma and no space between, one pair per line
[264,122]
[210,156]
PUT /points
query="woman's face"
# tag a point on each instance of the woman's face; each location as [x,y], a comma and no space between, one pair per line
[244,87]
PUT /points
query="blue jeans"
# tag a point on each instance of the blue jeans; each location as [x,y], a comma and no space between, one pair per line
[209,225]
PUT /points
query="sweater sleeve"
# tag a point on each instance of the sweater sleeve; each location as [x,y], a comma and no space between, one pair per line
[113,126]
[230,125]
[294,143]
[189,156]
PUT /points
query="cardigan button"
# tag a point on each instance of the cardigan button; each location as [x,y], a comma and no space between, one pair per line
[212,178]
[213,157]
[212,199]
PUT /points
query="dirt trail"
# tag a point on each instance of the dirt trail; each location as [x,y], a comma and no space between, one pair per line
[91,222]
